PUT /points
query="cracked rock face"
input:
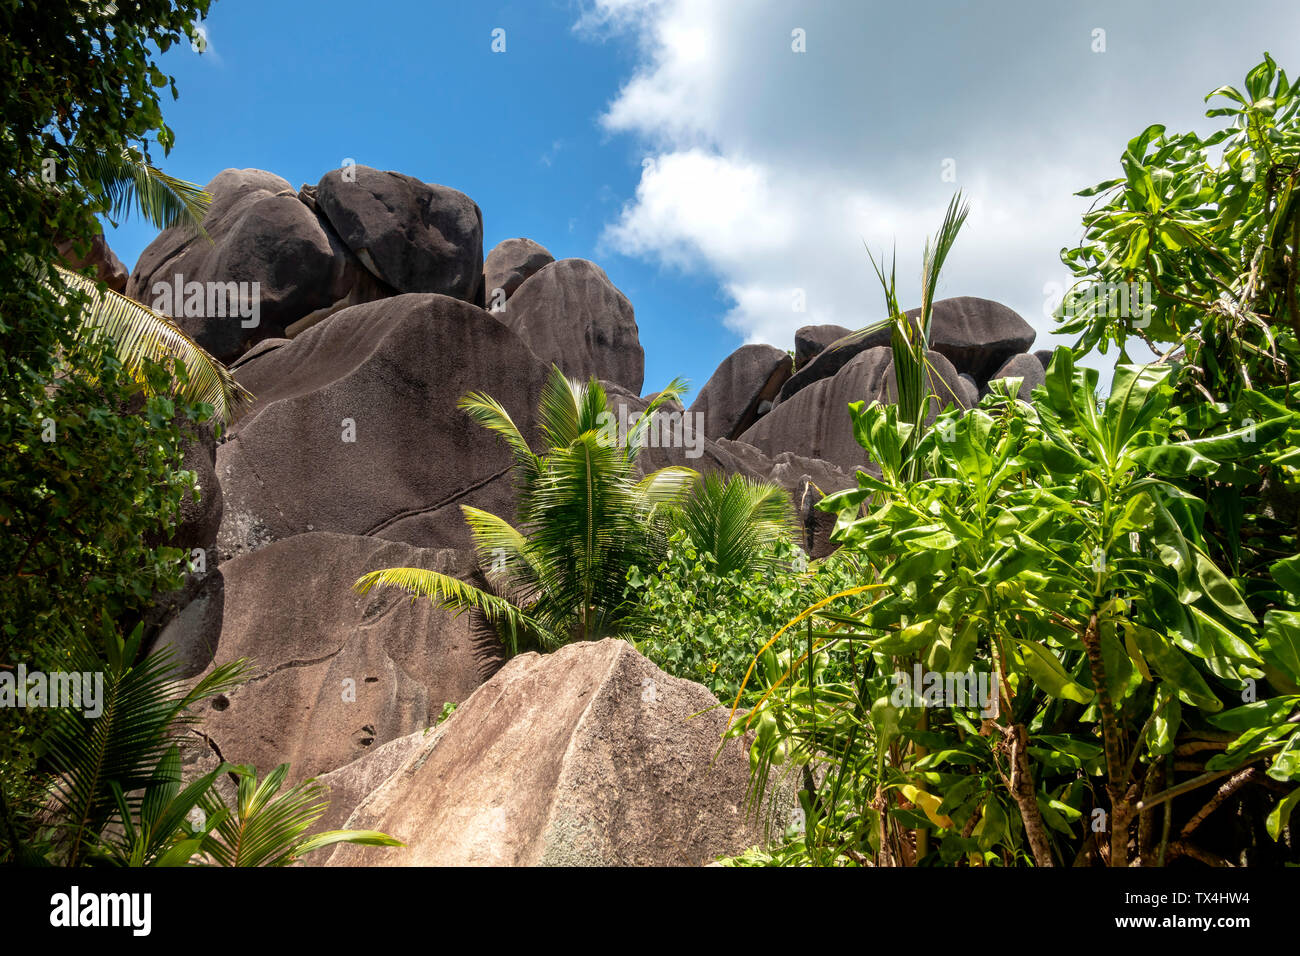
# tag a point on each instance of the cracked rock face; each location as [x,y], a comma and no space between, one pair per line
[356,428]
[334,674]
[587,756]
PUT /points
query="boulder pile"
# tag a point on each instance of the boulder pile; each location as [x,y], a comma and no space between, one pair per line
[358,311]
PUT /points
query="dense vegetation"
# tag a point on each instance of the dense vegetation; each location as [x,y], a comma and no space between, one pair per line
[97,397]
[1123,571]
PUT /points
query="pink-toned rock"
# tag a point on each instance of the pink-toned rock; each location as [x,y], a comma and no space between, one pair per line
[587,756]
[334,673]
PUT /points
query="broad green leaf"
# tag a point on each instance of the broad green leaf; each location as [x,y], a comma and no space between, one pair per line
[1220,590]
[1046,671]
[1277,820]
[1174,667]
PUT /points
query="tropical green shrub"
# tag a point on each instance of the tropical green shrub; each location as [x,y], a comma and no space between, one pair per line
[90,424]
[698,623]
[1121,573]
[1038,548]
[584,520]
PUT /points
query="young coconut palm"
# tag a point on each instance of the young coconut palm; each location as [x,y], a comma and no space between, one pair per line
[583,520]
[737,520]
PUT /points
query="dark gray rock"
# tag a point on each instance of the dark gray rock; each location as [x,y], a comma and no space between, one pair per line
[571,315]
[260,233]
[969,390]
[815,422]
[388,375]
[976,335]
[507,266]
[811,340]
[730,400]
[413,236]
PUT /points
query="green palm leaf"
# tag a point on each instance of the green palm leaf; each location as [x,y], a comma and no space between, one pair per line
[125,181]
[446,591]
[269,828]
[144,708]
[738,521]
[140,334]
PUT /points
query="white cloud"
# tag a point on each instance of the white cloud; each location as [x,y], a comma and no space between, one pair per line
[768,168]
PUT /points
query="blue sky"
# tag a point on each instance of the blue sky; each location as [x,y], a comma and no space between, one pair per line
[707,166]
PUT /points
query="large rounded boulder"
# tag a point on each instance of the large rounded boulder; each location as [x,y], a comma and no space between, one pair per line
[811,340]
[1026,367]
[589,756]
[743,388]
[573,316]
[356,427]
[510,262]
[267,261]
[412,235]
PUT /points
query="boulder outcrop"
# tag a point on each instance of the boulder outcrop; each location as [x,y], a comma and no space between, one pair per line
[587,756]
[571,315]
[334,673]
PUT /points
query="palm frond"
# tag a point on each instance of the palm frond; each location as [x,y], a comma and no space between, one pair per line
[737,521]
[126,182]
[159,835]
[138,333]
[448,592]
[672,392]
[666,485]
[487,412]
[268,828]
[143,709]
[502,549]
[558,409]
[910,341]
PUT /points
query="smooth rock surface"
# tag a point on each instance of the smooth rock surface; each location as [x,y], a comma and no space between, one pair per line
[510,262]
[334,673]
[571,315]
[748,377]
[588,756]
[260,233]
[388,376]
[411,235]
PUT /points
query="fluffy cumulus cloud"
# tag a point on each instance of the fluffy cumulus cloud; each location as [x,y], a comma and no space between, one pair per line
[769,168]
